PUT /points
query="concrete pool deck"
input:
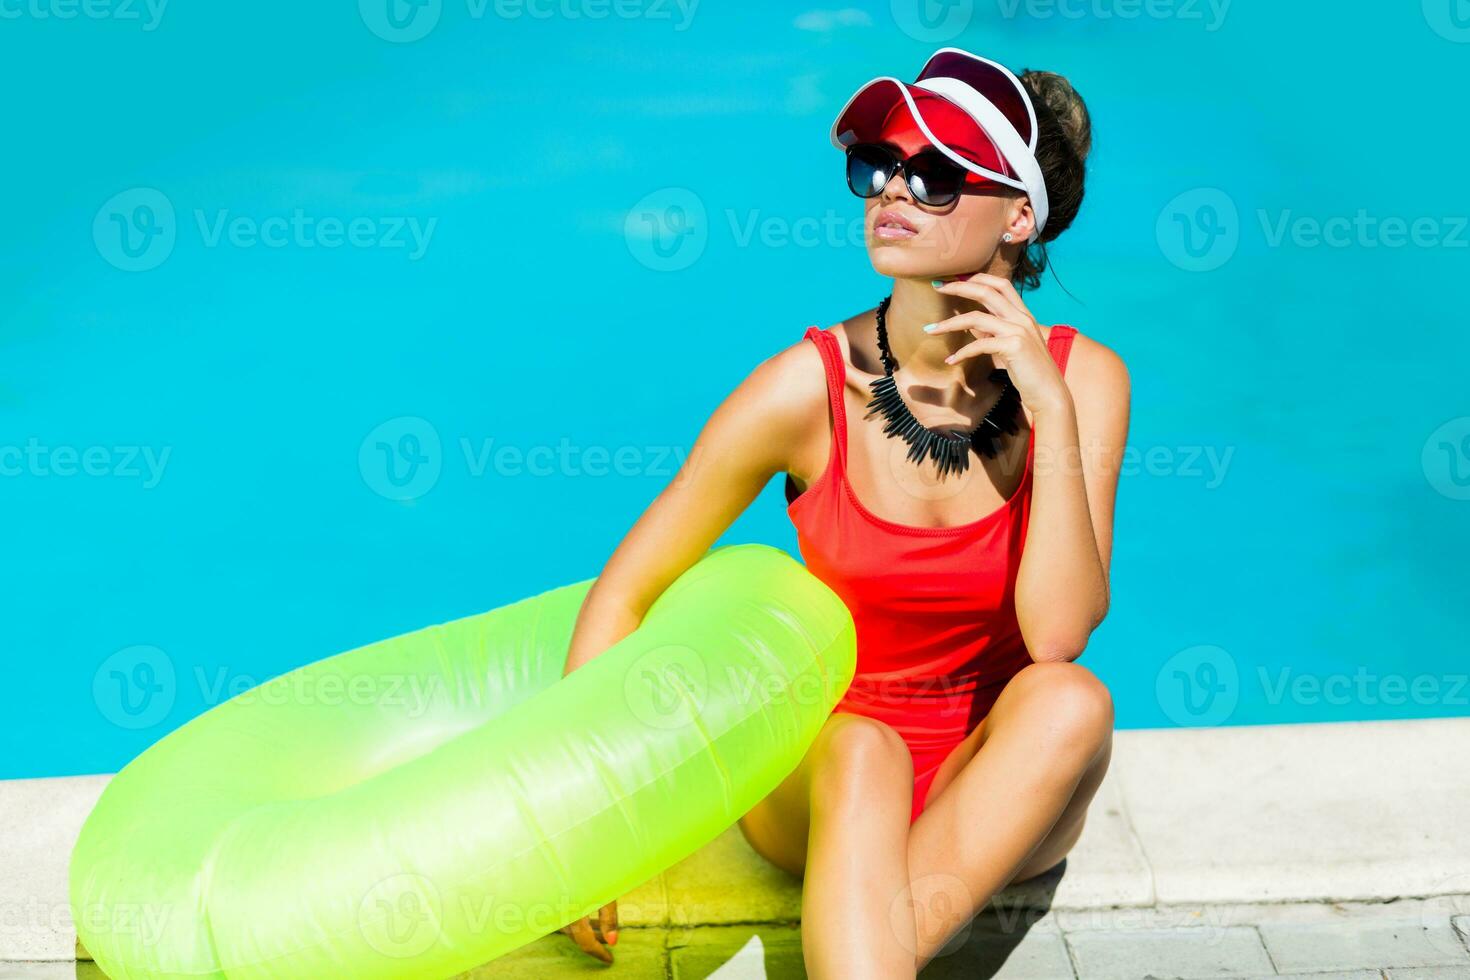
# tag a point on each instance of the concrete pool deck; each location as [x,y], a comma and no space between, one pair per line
[1327,850]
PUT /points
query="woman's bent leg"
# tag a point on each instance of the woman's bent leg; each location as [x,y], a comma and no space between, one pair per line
[1018,802]
[842,820]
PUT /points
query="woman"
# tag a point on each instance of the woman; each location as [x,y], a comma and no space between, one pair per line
[965,519]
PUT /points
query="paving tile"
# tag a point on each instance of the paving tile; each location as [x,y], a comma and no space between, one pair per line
[1428,973]
[43,971]
[1003,948]
[726,881]
[1185,953]
[646,906]
[1335,975]
[639,953]
[736,953]
[1107,866]
[1461,925]
[1354,810]
[42,818]
[1364,944]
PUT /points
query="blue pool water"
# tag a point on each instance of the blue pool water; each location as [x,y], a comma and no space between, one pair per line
[319,325]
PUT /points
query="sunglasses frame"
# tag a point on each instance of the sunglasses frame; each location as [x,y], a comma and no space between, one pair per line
[904,164]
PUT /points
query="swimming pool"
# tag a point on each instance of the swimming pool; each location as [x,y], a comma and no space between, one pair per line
[326,352]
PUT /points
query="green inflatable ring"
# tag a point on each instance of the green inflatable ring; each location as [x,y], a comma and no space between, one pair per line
[421,805]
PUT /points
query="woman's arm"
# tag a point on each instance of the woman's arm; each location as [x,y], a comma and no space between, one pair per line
[749,438]
[1062,590]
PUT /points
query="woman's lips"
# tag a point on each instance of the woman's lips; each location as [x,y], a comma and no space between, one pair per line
[892,226]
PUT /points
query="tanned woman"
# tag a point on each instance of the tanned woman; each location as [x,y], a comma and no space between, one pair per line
[951,466]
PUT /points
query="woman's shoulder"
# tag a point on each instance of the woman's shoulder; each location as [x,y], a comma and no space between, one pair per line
[1096,374]
[1094,359]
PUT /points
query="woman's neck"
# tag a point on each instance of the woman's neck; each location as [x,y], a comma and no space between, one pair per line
[915,303]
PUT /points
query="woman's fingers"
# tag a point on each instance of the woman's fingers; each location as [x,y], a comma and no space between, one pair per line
[607,920]
[1002,346]
[582,934]
[996,294]
[976,320]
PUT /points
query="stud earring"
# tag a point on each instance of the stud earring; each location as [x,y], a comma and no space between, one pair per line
[1006,237]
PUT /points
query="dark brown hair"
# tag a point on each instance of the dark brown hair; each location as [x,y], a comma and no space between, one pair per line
[1063,139]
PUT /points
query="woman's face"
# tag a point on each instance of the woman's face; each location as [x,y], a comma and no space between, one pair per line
[959,238]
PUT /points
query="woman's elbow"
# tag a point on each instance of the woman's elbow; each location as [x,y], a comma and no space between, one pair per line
[1057,650]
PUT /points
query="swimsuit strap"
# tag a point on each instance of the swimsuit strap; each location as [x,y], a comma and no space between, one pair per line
[1059,344]
[836,371]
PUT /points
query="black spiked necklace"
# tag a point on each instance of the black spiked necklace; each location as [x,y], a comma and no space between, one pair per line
[949,450]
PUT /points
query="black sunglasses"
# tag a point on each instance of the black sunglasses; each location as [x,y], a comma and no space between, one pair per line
[932,177]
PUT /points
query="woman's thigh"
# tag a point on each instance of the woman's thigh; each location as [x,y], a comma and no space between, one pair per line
[778,826]
[1043,692]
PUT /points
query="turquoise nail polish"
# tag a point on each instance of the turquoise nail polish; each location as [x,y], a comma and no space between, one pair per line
[929,327]
[937,283]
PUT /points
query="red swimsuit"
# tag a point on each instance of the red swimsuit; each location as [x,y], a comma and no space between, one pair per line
[934,607]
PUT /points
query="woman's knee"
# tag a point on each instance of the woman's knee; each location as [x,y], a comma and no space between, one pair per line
[856,756]
[1067,699]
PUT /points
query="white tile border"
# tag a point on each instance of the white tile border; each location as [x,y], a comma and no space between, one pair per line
[1351,811]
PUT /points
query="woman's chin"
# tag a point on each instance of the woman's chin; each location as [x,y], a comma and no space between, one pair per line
[896,266]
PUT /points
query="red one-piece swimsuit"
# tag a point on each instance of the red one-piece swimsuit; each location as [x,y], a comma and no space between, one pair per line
[934,607]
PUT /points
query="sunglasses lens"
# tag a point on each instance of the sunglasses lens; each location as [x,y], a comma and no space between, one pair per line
[869,168]
[934,179]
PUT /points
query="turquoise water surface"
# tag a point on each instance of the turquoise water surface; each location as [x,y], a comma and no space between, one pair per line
[323,322]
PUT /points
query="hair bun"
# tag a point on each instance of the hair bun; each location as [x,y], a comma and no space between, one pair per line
[1057,94]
